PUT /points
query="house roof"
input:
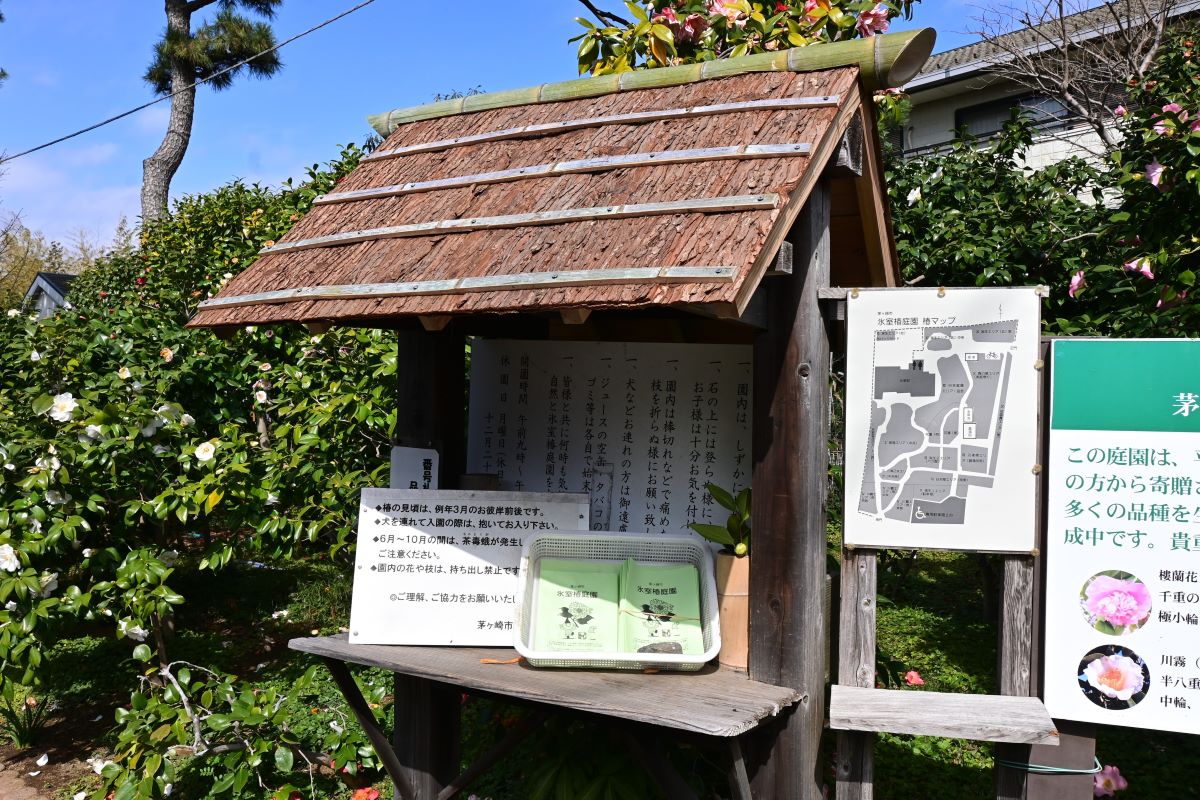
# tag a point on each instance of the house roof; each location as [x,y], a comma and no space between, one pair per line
[978,56]
[55,284]
[669,187]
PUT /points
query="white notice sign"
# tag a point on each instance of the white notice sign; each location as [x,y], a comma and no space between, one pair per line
[440,567]
[941,418]
[414,468]
[641,428]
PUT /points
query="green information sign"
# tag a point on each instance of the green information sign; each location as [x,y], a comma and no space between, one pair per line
[1126,385]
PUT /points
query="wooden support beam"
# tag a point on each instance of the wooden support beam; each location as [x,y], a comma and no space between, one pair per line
[782,265]
[434,322]
[788,638]
[574,316]
[634,118]
[578,166]
[856,667]
[695,205]
[882,261]
[848,160]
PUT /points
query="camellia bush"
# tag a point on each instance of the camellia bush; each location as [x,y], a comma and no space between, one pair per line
[670,32]
[127,440]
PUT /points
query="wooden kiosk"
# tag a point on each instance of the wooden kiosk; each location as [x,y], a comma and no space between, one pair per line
[707,203]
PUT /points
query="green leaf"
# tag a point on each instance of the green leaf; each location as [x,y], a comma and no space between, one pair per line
[721,496]
[714,533]
[142,652]
[42,404]
[284,759]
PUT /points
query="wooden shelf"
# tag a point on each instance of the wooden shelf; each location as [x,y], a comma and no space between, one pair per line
[985,717]
[713,702]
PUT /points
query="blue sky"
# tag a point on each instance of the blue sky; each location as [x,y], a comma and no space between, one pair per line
[72,63]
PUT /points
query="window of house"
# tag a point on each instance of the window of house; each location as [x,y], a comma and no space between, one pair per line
[988,118]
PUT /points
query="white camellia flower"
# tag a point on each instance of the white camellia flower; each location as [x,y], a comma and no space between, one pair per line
[187,419]
[35,526]
[50,463]
[93,431]
[260,397]
[160,450]
[98,764]
[11,605]
[44,760]
[914,196]
[12,312]
[205,451]
[63,407]
[264,367]
[88,552]
[152,427]
[35,356]
[49,583]
[123,373]
[57,498]
[272,499]
[135,632]
[79,796]
[8,558]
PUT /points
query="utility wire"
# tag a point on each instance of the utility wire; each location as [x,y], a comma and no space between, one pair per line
[219,73]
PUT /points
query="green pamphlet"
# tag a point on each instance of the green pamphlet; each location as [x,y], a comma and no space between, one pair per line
[660,609]
[577,607]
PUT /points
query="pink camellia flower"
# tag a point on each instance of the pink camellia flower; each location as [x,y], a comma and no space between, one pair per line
[1175,108]
[1195,126]
[1119,111]
[873,21]
[1154,173]
[1077,283]
[1107,781]
[1120,602]
[1116,676]
[913,678]
[730,12]
[1140,265]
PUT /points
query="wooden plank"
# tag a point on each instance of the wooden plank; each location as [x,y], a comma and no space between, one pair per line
[366,719]
[696,205]
[635,118]
[788,637]
[712,702]
[985,717]
[855,766]
[586,165]
[739,780]
[882,261]
[1015,657]
[482,283]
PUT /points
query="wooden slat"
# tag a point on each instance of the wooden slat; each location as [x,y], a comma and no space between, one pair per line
[584,165]
[710,702]
[482,283]
[635,118]
[699,205]
[984,717]
[856,667]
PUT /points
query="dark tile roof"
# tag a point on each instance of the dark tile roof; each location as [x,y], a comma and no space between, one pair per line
[59,281]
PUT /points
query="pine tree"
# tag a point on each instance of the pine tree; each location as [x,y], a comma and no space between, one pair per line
[184,56]
[3,74]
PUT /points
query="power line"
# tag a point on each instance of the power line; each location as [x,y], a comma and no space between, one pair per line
[219,73]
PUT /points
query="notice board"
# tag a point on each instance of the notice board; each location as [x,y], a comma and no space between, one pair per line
[1122,590]
[440,567]
[941,418]
[640,428]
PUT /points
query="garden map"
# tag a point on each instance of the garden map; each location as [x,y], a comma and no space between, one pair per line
[935,383]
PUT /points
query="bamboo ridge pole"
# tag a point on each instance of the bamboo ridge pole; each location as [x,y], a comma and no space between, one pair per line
[883,61]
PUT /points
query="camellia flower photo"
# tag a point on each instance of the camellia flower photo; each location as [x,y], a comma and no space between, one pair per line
[1113,677]
[1115,602]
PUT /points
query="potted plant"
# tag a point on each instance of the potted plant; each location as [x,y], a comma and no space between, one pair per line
[733,574]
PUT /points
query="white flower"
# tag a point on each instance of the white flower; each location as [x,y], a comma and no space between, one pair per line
[135,632]
[8,558]
[227,276]
[914,196]
[98,764]
[63,407]
[170,787]
[336,728]
[35,526]
[93,431]
[57,498]
[79,796]
[272,499]
[12,312]
[35,773]
[279,614]
[44,760]
[159,449]
[166,413]
[205,451]
[152,427]
[260,397]
[936,176]
[35,356]
[123,373]
[49,583]
[88,552]
[50,463]
[264,367]
[187,419]
[11,605]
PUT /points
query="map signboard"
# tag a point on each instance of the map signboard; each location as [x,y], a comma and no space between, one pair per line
[941,418]
[642,428]
[440,567]
[1122,592]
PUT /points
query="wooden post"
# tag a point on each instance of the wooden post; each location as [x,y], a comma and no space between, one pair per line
[429,413]
[856,667]
[788,634]
[1015,656]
